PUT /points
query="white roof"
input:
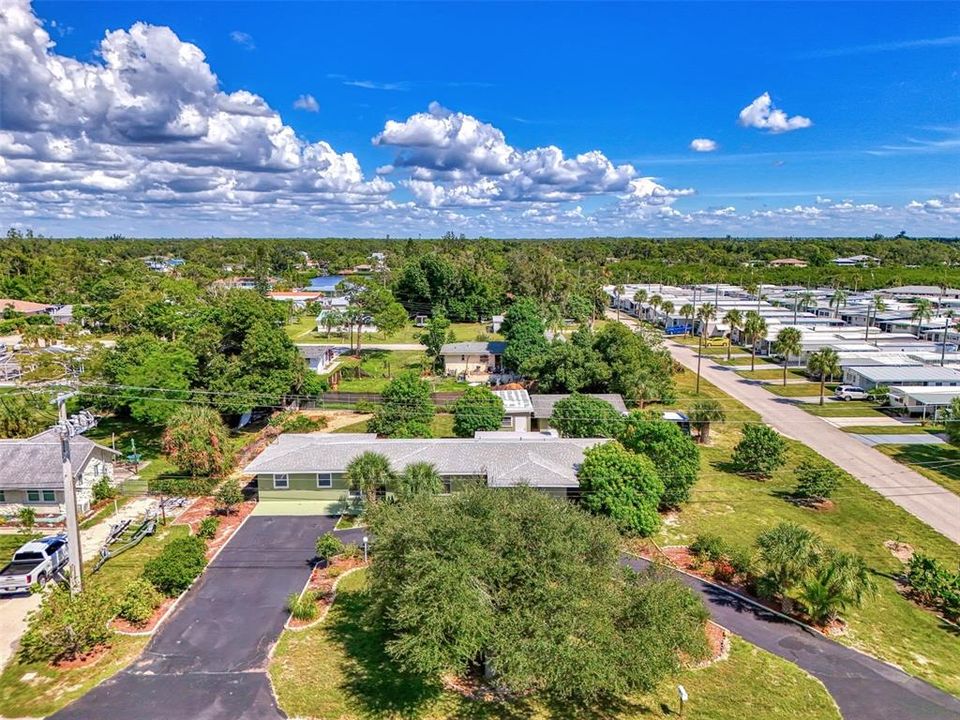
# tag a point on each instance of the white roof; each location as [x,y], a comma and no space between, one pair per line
[515,401]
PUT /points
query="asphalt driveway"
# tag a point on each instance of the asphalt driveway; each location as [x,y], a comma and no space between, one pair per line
[864,688]
[208,661]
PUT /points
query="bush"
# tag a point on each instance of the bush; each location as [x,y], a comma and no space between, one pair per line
[177,566]
[364,407]
[293,422]
[302,607]
[816,481]
[178,486]
[139,602]
[741,560]
[228,496]
[208,528]
[328,545]
[196,441]
[352,551]
[934,585]
[709,547]
[674,454]
[27,518]
[66,626]
[477,409]
[103,490]
[759,452]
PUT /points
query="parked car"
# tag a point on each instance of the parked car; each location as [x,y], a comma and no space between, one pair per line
[678,330]
[35,562]
[720,341]
[850,392]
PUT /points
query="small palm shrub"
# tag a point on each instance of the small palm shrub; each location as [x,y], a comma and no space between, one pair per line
[139,602]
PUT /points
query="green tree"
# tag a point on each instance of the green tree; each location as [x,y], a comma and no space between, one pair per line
[822,364]
[755,329]
[788,554]
[370,473]
[787,344]
[169,366]
[477,409]
[417,479]
[759,452]
[434,337]
[532,594]
[582,416]
[27,518]
[922,312]
[702,413]
[816,480]
[841,580]
[569,365]
[639,370]
[66,626]
[622,485]
[196,441]
[687,311]
[228,496]
[674,455]
[951,421]
[406,408]
[734,320]
[390,319]
[838,300]
[523,330]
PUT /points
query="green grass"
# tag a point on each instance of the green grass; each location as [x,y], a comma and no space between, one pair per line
[339,669]
[799,389]
[54,687]
[686,380]
[888,625]
[441,425]
[771,373]
[378,367]
[303,330]
[760,363]
[946,471]
[853,408]
[107,510]
[891,430]
[11,542]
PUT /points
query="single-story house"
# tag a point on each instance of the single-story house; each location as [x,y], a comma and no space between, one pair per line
[25,307]
[517,409]
[319,357]
[298,298]
[856,261]
[868,377]
[544,403]
[296,469]
[921,399]
[31,472]
[474,361]
[788,262]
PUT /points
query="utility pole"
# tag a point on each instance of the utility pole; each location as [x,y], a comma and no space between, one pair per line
[69,493]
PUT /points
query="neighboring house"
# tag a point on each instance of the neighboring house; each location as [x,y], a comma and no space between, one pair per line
[868,377]
[25,307]
[473,361]
[31,472]
[311,468]
[517,409]
[320,357]
[788,262]
[922,400]
[298,298]
[856,261]
[62,314]
[543,405]
[245,282]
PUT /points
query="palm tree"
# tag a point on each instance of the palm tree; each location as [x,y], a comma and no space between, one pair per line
[368,473]
[619,290]
[788,553]
[686,312]
[838,300]
[706,313]
[878,306]
[331,319]
[349,318]
[416,480]
[842,580]
[734,319]
[787,344]
[922,311]
[667,308]
[640,297]
[656,301]
[823,363]
[755,328]
[702,413]
[807,300]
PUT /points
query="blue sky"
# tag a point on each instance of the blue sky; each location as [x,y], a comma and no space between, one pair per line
[418,118]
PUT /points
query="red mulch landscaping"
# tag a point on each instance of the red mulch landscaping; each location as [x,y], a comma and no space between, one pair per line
[322,582]
[205,507]
[125,626]
[90,658]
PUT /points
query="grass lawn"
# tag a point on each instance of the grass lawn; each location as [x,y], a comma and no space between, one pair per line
[853,408]
[442,426]
[745,360]
[339,670]
[53,688]
[121,431]
[807,389]
[940,463]
[11,542]
[892,429]
[888,625]
[378,367]
[686,382]
[303,330]
[771,373]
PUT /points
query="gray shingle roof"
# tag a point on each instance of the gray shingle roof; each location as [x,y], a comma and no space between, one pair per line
[35,462]
[904,375]
[543,403]
[473,348]
[504,459]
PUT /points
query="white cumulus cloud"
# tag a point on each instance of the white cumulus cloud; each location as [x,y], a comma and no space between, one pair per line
[761,114]
[703,145]
[307,102]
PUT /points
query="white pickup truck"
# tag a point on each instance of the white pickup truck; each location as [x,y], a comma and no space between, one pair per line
[35,562]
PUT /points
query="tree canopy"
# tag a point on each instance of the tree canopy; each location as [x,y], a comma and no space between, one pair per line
[477,409]
[582,416]
[674,455]
[406,409]
[622,485]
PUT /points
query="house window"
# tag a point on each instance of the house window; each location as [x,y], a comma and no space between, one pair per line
[36,496]
[3,496]
[447,485]
[96,470]
[506,422]
[324,480]
[281,481]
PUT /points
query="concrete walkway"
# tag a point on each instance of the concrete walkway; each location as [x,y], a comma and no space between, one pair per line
[912,439]
[863,687]
[871,421]
[922,498]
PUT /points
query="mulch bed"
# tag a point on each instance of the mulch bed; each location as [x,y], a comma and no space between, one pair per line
[125,626]
[90,658]
[322,581]
[205,507]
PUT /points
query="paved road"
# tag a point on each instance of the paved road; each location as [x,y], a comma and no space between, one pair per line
[208,661]
[922,498]
[864,688]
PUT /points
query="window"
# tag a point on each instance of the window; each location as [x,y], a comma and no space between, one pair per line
[3,496]
[506,422]
[281,481]
[96,469]
[47,496]
[447,485]
[324,480]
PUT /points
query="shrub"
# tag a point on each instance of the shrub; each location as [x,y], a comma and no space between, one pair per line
[328,545]
[208,528]
[674,454]
[816,481]
[66,626]
[228,496]
[759,452]
[177,566]
[293,422]
[196,441]
[352,551]
[364,407]
[187,487]
[302,607]
[741,560]
[934,585]
[103,490]
[709,547]
[139,602]
[622,485]
[334,571]
[477,409]
[27,518]
[723,570]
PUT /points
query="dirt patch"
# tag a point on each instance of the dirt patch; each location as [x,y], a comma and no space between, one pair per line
[85,660]
[901,551]
[337,419]
[322,582]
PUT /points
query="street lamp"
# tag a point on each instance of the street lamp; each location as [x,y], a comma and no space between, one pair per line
[366,542]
